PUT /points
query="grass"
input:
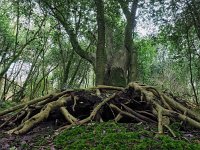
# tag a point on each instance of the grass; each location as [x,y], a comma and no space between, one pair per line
[111,136]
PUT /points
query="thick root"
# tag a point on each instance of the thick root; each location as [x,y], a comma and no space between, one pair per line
[138,103]
[44,113]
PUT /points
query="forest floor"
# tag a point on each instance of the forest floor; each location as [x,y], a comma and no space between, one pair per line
[107,135]
[40,137]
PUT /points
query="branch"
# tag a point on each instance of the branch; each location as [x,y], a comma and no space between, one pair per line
[72,36]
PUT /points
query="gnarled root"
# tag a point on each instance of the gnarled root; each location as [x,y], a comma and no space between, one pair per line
[138,103]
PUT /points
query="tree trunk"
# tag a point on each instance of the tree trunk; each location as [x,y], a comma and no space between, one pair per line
[100,52]
[115,67]
[122,65]
[131,51]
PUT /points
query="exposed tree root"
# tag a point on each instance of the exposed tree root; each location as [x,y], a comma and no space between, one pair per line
[136,103]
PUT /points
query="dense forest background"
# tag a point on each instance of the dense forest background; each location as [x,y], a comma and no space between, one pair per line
[48,46]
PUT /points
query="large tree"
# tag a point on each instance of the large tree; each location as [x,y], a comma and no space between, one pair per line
[87,21]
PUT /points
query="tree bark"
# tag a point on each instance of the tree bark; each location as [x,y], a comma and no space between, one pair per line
[100,52]
[131,51]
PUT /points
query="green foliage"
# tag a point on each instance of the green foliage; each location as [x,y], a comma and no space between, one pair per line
[111,135]
[146,58]
[5,30]
[6,104]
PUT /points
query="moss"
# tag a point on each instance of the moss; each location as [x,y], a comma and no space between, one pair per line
[116,136]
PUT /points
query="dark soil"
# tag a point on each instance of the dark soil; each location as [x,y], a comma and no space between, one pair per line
[40,137]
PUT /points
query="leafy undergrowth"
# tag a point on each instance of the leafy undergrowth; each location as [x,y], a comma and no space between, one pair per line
[110,136]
